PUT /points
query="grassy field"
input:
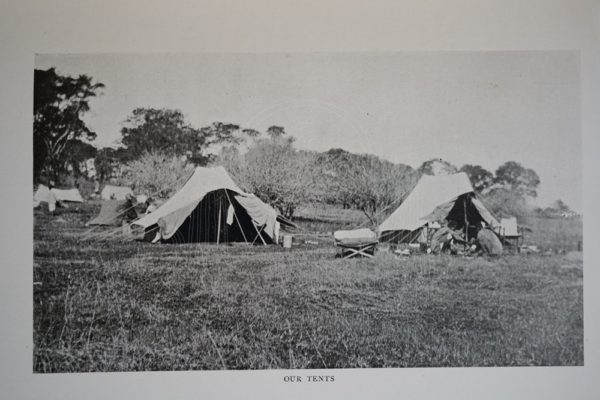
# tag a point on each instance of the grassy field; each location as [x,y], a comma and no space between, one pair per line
[118,305]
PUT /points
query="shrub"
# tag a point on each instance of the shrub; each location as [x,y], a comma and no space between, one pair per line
[506,203]
[157,174]
[275,171]
[364,181]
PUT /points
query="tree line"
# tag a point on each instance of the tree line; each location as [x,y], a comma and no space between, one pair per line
[158,149]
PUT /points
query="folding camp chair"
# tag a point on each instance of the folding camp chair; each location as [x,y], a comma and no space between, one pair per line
[355,243]
[259,233]
[509,231]
[366,249]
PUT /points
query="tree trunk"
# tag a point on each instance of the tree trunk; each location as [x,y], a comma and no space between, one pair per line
[368,216]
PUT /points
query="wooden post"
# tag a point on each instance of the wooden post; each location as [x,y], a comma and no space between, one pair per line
[466,222]
[259,235]
[219,225]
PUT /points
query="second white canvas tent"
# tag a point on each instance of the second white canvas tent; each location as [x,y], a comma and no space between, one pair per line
[43,194]
[210,207]
[436,198]
[70,195]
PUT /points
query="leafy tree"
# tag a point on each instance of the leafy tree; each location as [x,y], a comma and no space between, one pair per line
[363,181]
[253,133]
[76,154]
[481,178]
[58,107]
[333,179]
[504,203]
[512,175]
[108,162]
[219,132]
[558,209]
[151,130]
[276,131]
[437,166]
[166,131]
[378,185]
[562,207]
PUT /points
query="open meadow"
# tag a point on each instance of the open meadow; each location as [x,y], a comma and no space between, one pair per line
[123,305]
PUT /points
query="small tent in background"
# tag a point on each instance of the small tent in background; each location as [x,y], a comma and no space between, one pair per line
[43,194]
[210,207]
[437,198]
[115,192]
[509,227]
[114,212]
[68,195]
[510,233]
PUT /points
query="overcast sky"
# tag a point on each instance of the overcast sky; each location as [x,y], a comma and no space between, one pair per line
[478,108]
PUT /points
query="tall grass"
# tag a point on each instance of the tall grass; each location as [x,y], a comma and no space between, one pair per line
[555,233]
[130,306]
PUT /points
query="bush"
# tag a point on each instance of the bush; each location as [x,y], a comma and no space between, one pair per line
[506,203]
[363,181]
[377,186]
[287,178]
[274,171]
[156,174]
[83,184]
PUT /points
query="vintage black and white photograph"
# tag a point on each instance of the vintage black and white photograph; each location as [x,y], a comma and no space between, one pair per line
[259,211]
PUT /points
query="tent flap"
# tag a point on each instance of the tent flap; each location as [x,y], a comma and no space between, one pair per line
[261,213]
[169,223]
[112,213]
[485,214]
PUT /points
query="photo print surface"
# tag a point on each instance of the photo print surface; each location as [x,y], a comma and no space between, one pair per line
[307,211]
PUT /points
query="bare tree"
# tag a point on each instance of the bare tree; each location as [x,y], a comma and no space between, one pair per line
[437,166]
[275,171]
[157,174]
[363,181]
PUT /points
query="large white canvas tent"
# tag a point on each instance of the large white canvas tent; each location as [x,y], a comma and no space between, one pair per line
[111,192]
[70,195]
[437,198]
[210,207]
